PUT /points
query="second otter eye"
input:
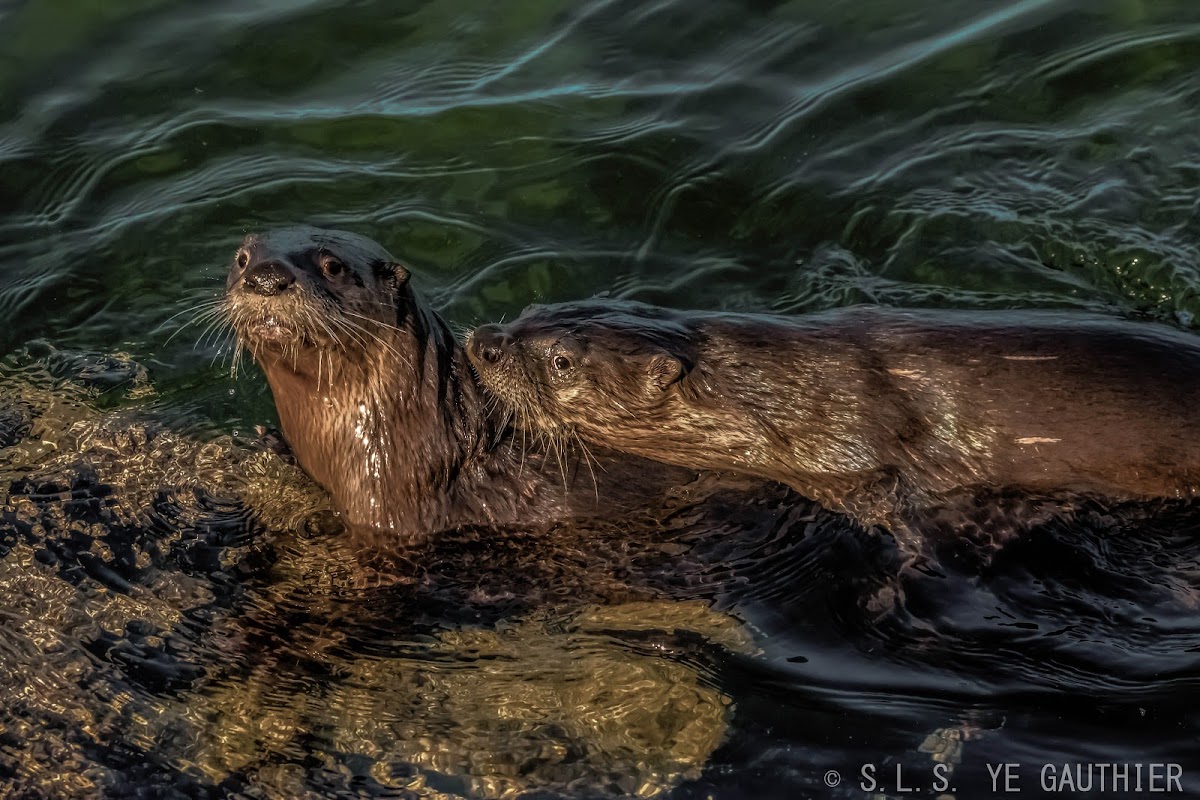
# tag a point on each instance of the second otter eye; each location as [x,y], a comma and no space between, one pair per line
[332,267]
[561,363]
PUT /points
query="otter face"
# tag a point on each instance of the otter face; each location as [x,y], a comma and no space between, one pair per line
[594,367]
[311,288]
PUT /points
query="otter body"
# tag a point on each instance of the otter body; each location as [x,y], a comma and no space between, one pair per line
[868,410]
[379,405]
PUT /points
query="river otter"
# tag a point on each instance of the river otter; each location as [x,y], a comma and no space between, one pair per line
[379,405]
[868,410]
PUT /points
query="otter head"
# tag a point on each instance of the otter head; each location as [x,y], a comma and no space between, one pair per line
[599,366]
[305,288]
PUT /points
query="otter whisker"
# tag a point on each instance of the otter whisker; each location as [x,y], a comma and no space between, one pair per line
[384,344]
[524,447]
[587,459]
[212,327]
[381,323]
[238,347]
[201,315]
[352,326]
[345,327]
[621,406]
[460,331]
[205,331]
[213,314]
[198,313]
[219,352]
[332,335]
[352,333]
[362,329]
[503,427]
[220,335]
[493,411]
[556,444]
[193,309]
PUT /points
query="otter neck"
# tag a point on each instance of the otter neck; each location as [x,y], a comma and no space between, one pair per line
[395,431]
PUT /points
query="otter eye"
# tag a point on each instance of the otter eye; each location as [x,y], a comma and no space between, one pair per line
[243,258]
[561,363]
[332,267]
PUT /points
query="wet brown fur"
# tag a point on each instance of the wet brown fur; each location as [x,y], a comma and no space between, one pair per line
[873,411]
[379,405]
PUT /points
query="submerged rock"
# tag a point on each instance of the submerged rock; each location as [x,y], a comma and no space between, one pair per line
[16,421]
[188,613]
[96,372]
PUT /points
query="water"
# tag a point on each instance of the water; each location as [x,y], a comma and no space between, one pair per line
[177,619]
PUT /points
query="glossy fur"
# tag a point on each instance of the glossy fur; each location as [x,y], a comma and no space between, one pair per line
[378,403]
[869,410]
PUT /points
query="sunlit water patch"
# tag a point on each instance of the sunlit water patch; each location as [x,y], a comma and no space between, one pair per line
[180,612]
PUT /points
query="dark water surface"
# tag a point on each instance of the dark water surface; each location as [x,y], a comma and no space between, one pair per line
[178,616]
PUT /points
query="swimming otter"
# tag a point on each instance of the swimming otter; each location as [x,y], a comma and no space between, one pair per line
[868,410]
[379,405]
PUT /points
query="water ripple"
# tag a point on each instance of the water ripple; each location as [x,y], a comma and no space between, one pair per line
[178,607]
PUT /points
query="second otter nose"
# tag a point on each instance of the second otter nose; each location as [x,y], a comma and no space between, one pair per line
[269,278]
[489,343]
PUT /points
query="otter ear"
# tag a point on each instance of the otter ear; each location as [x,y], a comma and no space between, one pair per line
[395,273]
[664,370]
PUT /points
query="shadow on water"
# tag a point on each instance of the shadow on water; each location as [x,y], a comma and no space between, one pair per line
[180,614]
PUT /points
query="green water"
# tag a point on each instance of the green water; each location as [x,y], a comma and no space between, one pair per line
[753,155]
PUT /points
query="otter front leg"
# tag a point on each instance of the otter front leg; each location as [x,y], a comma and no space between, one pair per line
[887,502]
[889,505]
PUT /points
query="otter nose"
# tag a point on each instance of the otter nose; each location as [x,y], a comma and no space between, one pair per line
[269,278]
[489,343]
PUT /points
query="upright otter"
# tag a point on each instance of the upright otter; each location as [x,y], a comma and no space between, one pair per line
[379,406]
[868,410]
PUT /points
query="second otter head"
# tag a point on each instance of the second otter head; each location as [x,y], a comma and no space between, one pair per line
[588,366]
[308,287]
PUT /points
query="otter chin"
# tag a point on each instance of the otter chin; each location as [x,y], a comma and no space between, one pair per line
[269,330]
[876,412]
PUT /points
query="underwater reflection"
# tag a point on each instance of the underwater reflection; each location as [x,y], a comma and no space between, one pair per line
[565,704]
[190,613]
